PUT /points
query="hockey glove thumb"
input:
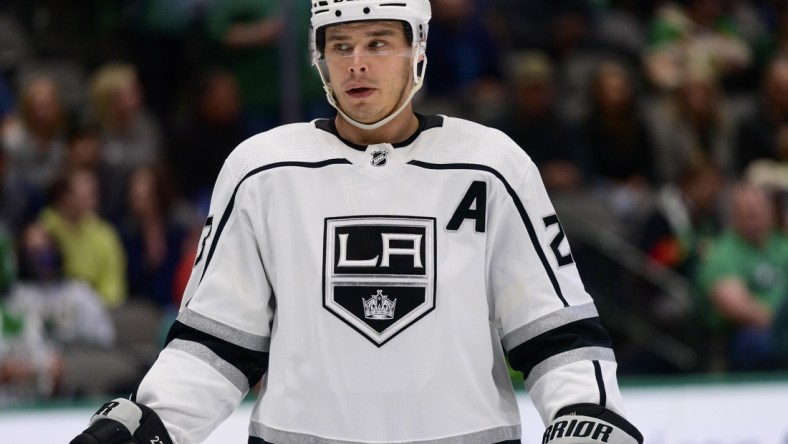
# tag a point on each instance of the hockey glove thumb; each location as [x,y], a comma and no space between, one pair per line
[121,421]
[590,424]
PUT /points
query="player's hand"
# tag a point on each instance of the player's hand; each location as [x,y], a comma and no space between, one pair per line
[121,421]
[590,424]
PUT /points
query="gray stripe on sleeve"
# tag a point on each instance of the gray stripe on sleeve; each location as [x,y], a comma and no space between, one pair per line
[562,359]
[203,353]
[223,331]
[548,322]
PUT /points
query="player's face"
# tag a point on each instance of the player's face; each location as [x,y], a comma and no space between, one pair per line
[369,65]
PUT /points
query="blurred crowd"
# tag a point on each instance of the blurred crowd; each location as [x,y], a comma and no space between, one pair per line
[660,129]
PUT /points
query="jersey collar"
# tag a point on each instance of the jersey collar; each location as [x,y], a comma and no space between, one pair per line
[425,123]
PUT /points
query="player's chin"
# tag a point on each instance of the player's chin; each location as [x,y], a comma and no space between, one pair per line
[362,114]
[356,105]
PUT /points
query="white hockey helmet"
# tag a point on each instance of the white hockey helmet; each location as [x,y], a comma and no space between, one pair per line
[416,13]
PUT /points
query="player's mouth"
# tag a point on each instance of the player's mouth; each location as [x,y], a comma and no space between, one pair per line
[360,92]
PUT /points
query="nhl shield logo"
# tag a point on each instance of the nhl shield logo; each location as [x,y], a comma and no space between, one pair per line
[379,158]
[379,275]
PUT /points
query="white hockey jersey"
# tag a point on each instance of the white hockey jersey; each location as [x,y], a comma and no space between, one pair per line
[375,292]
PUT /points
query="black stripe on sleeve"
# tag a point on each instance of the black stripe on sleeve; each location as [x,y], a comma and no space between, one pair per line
[252,364]
[600,383]
[520,209]
[579,334]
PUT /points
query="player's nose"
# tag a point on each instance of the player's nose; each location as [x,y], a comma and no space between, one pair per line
[358,61]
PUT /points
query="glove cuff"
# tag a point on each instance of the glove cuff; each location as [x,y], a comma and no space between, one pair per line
[121,410]
[590,424]
[142,423]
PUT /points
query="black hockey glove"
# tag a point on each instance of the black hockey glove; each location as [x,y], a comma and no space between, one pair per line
[121,421]
[590,424]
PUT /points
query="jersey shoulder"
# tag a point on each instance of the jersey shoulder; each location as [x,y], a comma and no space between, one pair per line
[295,142]
[466,142]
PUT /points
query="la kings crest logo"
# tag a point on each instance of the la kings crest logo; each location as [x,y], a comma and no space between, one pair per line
[379,273]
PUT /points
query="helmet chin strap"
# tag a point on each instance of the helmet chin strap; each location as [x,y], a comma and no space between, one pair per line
[417,84]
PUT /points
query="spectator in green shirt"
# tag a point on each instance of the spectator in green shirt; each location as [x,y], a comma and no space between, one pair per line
[745,277]
[246,36]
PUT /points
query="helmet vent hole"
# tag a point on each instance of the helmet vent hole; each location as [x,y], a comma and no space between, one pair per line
[366,10]
[339,13]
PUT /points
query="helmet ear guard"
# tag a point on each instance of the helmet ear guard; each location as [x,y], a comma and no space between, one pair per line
[415,13]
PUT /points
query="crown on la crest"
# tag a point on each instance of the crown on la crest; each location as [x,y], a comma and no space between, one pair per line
[379,307]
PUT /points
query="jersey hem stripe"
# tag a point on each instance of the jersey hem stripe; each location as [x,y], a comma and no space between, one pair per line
[548,322]
[203,353]
[497,434]
[566,358]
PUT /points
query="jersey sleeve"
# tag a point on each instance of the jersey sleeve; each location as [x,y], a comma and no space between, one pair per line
[548,323]
[218,346]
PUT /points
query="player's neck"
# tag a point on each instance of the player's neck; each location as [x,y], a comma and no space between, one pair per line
[398,130]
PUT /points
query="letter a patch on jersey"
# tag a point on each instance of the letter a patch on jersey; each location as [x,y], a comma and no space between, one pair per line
[379,275]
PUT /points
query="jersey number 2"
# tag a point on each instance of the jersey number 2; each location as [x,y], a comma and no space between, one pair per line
[563,259]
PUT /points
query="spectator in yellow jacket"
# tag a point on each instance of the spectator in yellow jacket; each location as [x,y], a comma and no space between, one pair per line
[92,250]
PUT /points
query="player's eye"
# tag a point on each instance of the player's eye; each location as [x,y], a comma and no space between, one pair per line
[378,45]
[341,49]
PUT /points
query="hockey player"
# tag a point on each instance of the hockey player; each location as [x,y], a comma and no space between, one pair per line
[373,270]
